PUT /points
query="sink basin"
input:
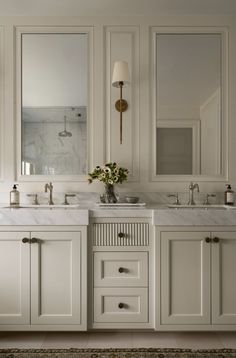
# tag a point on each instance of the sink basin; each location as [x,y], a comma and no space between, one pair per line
[43,206]
[207,207]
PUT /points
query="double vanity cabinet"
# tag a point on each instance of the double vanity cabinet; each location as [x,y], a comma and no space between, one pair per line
[130,269]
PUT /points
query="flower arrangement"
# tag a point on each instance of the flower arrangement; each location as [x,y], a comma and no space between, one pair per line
[109,174]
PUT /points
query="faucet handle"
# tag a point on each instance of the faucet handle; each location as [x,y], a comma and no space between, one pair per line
[176,196]
[35,196]
[206,201]
[68,196]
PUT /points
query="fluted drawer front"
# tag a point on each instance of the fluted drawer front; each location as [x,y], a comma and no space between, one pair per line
[113,305]
[120,234]
[120,269]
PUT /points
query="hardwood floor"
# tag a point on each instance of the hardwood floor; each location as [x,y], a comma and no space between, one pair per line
[117,340]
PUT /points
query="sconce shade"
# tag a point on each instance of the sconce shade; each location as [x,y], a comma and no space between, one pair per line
[120,73]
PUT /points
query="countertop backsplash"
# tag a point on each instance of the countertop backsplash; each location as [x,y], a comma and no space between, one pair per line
[89,198]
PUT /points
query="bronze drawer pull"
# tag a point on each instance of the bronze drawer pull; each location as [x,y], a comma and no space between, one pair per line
[121,235]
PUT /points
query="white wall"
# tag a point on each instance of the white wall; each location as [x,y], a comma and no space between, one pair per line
[54,70]
[137,120]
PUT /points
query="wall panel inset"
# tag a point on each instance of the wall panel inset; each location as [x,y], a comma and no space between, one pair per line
[1,100]
[122,43]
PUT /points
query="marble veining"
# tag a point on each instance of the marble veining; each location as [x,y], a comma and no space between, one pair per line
[156,210]
[44,216]
[192,217]
[44,150]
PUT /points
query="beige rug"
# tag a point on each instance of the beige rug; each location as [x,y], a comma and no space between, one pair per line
[117,353]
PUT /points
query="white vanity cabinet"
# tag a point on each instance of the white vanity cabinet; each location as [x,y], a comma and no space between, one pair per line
[43,279]
[121,280]
[195,282]
[14,279]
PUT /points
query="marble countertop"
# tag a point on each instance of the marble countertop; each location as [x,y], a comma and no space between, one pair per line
[159,215]
[42,216]
[194,217]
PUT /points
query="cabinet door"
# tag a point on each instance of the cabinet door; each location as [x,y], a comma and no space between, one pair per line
[223,278]
[185,278]
[56,278]
[14,278]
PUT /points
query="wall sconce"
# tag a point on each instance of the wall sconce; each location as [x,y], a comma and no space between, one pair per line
[121,78]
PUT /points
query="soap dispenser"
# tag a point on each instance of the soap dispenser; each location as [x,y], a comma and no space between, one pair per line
[14,196]
[229,195]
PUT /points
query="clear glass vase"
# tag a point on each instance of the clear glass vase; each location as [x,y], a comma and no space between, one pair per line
[109,196]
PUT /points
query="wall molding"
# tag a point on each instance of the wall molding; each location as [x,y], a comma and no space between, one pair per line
[2,103]
[122,43]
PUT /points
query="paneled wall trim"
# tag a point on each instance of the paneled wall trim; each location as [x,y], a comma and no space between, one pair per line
[1,100]
[113,38]
[122,43]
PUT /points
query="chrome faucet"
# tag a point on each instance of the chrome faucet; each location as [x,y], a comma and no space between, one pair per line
[50,188]
[191,190]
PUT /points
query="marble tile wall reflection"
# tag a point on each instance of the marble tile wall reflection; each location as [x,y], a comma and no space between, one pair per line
[44,152]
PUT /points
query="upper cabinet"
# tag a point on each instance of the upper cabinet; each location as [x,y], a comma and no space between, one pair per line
[53,102]
[189,103]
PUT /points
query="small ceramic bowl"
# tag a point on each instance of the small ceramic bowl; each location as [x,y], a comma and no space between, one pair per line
[132,199]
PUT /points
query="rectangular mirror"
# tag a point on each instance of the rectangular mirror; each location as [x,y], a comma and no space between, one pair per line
[189,102]
[54,103]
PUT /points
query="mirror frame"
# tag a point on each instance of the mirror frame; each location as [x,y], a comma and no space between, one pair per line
[52,30]
[223,32]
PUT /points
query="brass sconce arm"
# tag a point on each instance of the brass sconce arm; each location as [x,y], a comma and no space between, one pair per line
[120,78]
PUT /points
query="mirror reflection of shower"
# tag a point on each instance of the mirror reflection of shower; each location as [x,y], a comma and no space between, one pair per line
[65,132]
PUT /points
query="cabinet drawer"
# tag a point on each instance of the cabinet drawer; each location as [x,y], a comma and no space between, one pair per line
[116,305]
[120,269]
[120,234]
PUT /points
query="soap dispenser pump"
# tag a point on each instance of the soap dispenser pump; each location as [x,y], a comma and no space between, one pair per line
[14,196]
[229,195]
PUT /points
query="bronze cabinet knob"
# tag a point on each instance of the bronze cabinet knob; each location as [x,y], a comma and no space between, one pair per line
[208,239]
[121,235]
[34,240]
[121,305]
[121,269]
[25,240]
[216,239]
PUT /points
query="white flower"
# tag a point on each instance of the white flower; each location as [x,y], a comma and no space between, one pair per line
[110,181]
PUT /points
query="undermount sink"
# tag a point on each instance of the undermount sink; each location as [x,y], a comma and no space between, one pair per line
[43,206]
[212,206]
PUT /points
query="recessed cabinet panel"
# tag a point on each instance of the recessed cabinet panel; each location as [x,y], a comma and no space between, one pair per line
[185,278]
[116,305]
[223,278]
[55,280]
[120,269]
[14,278]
